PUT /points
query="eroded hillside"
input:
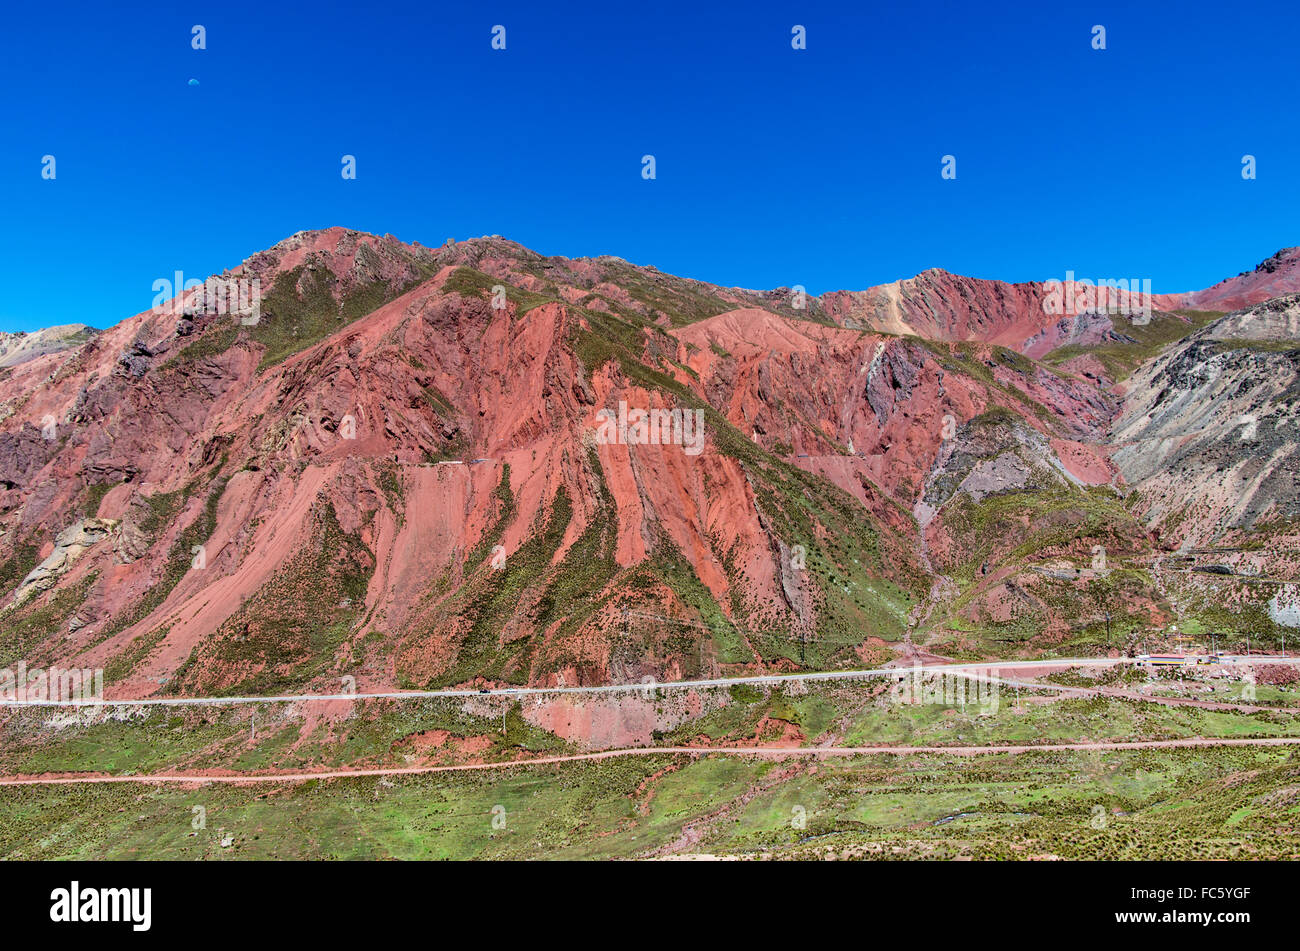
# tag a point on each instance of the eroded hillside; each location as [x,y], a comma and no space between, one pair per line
[399,471]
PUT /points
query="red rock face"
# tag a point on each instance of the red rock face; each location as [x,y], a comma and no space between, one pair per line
[402,451]
[839,400]
[402,473]
[937,305]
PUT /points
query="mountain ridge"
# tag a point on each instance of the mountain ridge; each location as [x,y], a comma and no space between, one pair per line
[904,305]
[395,474]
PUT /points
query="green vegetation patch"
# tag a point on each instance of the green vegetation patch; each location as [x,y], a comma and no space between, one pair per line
[1144,341]
[290,631]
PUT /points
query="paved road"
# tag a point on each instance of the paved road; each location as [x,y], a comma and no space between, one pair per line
[764,752]
[975,670]
[831,675]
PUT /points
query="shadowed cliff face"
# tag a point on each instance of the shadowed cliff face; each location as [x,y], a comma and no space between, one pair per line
[429,466]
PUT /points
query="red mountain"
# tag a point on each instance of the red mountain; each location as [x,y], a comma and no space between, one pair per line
[405,471]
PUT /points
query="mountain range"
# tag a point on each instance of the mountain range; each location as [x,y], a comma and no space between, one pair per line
[395,470]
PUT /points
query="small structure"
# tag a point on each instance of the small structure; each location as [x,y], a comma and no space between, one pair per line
[1169,660]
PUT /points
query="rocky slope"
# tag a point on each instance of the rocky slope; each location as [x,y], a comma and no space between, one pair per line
[938,305]
[403,472]
[20,347]
[1276,276]
[1209,429]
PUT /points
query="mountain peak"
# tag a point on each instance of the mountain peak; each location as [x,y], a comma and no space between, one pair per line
[1273,277]
[1283,258]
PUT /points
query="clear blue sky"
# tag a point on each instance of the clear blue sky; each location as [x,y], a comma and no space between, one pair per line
[775,167]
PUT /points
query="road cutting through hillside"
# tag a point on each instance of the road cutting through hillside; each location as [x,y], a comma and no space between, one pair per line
[760,752]
[964,669]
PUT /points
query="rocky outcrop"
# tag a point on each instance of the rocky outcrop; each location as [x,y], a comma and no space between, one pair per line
[70,544]
[17,348]
[1276,276]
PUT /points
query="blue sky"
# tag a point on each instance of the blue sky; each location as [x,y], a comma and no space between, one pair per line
[775,167]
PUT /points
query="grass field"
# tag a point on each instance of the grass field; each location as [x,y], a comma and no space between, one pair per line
[1219,803]
[1208,802]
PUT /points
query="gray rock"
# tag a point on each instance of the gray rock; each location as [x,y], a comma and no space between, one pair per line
[71,544]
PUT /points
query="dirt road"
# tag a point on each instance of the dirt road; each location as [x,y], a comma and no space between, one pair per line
[765,752]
